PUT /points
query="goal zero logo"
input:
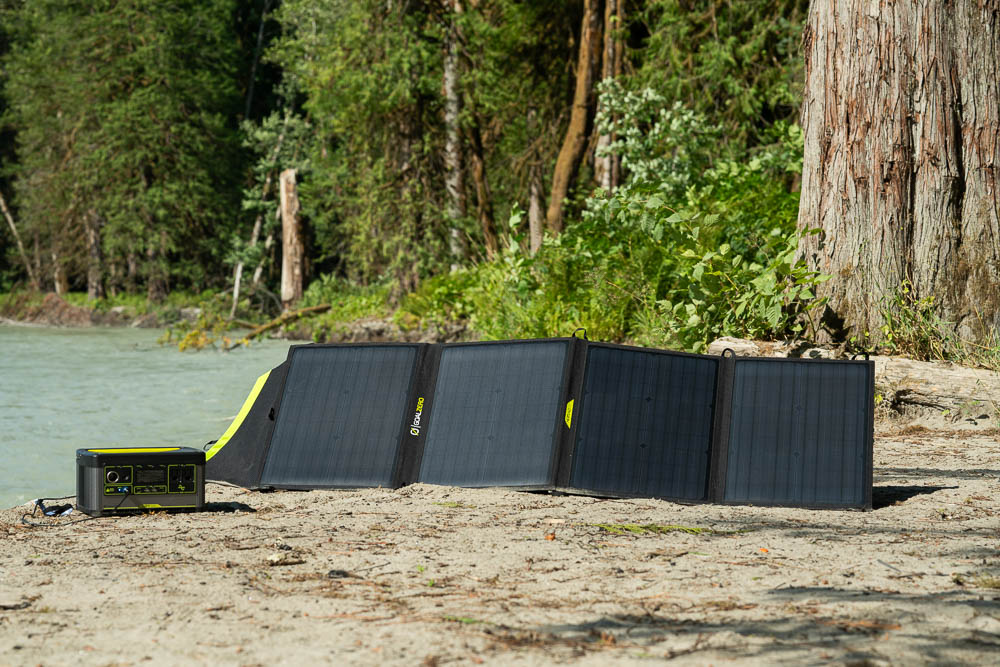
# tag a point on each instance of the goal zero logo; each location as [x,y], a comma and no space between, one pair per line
[415,426]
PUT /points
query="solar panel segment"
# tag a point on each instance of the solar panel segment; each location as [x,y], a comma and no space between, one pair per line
[645,423]
[340,417]
[800,433]
[495,413]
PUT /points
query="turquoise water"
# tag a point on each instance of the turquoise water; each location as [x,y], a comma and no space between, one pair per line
[63,389]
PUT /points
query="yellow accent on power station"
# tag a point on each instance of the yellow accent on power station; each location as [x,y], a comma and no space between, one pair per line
[569,414]
[247,404]
[135,450]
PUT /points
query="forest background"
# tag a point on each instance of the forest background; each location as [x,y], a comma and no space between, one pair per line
[525,168]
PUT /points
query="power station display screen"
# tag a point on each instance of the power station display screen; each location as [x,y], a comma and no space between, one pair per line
[151,476]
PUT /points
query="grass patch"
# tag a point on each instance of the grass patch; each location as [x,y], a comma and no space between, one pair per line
[465,620]
[456,505]
[987,581]
[650,529]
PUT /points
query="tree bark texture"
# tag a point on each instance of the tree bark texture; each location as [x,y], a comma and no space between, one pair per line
[901,116]
[575,142]
[292,246]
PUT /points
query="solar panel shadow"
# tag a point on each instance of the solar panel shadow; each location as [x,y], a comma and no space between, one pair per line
[645,423]
[340,418]
[495,412]
[800,433]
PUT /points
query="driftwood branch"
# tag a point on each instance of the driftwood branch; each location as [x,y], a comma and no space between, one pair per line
[281,320]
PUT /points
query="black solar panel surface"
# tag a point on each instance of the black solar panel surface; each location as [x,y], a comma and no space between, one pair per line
[494,415]
[798,433]
[340,417]
[645,424]
[240,461]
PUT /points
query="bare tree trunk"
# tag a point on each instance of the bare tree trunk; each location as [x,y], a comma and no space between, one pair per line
[604,165]
[32,276]
[131,271]
[484,198]
[156,281]
[453,144]
[60,282]
[95,257]
[902,144]
[268,244]
[575,143]
[292,247]
[256,58]
[257,224]
[536,229]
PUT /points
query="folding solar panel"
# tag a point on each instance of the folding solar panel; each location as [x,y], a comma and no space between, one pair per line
[558,414]
[494,415]
[340,417]
[800,433]
[645,423]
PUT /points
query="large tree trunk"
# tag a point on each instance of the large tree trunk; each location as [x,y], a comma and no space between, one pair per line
[292,247]
[902,144]
[575,143]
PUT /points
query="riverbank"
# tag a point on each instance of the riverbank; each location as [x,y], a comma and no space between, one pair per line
[183,314]
[53,310]
[434,575]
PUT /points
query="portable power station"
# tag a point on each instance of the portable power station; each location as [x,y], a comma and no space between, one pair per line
[139,479]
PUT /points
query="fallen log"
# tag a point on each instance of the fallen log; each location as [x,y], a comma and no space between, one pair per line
[954,391]
[281,320]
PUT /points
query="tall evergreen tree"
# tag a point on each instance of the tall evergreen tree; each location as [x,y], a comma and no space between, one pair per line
[125,112]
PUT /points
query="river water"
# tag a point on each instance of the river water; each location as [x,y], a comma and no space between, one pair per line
[64,389]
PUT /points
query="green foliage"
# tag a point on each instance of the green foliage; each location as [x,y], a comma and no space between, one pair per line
[736,62]
[438,300]
[122,115]
[913,327]
[686,250]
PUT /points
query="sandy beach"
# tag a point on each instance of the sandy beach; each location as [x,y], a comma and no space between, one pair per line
[432,575]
